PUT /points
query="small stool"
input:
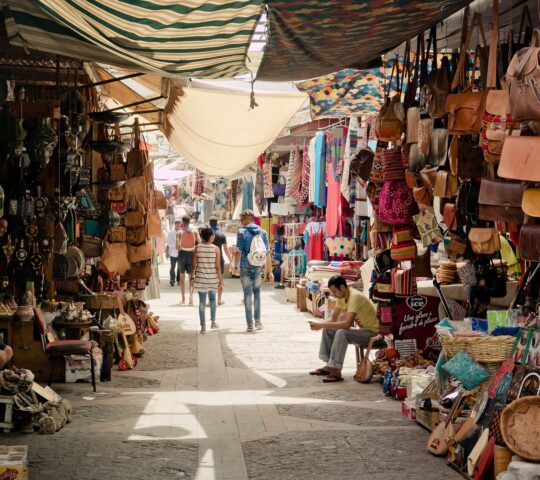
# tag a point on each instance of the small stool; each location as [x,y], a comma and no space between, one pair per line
[380,342]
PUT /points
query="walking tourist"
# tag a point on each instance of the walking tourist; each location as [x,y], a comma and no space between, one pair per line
[186,241]
[172,253]
[206,276]
[351,307]
[220,241]
[253,254]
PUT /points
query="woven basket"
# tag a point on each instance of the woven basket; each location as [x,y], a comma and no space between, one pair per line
[501,459]
[481,349]
[101,302]
[520,425]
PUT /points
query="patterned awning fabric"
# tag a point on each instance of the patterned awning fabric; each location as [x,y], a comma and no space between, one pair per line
[345,93]
[309,38]
[200,38]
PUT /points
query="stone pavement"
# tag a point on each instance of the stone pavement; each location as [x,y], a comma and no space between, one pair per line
[230,405]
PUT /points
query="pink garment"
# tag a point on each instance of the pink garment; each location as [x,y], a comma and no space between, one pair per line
[333,204]
[316,246]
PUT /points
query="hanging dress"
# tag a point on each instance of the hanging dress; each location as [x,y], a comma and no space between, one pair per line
[314,239]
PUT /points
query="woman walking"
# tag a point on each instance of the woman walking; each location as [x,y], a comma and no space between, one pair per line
[206,275]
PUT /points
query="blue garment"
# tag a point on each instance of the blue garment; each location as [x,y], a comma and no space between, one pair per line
[202,306]
[319,199]
[279,249]
[251,283]
[243,243]
[247,194]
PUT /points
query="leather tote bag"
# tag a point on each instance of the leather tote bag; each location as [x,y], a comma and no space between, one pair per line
[501,201]
[140,253]
[153,224]
[362,162]
[485,241]
[364,369]
[114,258]
[529,243]
[531,202]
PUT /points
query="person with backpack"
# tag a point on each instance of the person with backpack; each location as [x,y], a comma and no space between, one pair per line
[206,276]
[186,241]
[253,254]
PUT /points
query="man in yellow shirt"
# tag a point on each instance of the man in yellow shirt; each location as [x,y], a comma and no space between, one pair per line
[351,307]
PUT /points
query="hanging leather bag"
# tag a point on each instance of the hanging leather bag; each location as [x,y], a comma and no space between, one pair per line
[142,270]
[136,235]
[153,223]
[519,159]
[364,368]
[137,158]
[529,243]
[117,234]
[470,158]
[485,241]
[135,218]
[531,202]
[91,246]
[114,258]
[523,77]
[118,194]
[362,162]
[501,201]
[389,125]
[446,185]
[140,253]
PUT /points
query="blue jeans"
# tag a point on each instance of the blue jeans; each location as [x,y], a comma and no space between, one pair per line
[251,283]
[202,306]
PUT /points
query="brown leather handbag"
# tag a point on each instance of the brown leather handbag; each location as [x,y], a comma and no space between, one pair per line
[485,241]
[117,234]
[364,369]
[135,218]
[523,77]
[117,172]
[429,177]
[465,112]
[362,162]
[91,246]
[140,253]
[140,270]
[446,185]
[118,194]
[158,200]
[136,235]
[114,258]
[153,223]
[439,147]
[450,216]
[531,202]
[390,123]
[529,243]
[519,159]
[500,200]
[470,158]
[422,196]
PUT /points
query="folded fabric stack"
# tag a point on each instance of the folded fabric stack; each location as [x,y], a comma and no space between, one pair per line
[447,273]
[350,271]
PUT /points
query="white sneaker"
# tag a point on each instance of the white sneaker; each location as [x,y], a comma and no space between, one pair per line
[203,329]
[250,329]
[258,326]
[214,325]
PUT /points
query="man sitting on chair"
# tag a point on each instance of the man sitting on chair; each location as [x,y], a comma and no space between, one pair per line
[351,306]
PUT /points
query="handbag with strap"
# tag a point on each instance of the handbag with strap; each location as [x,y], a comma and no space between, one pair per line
[523,77]
[391,165]
[137,158]
[389,125]
[364,368]
[467,199]
[118,194]
[439,147]
[501,201]
[531,202]
[141,270]
[153,224]
[158,200]
[361,163]
[422,197]
[91,246]
[450,217]
[470,158]
[446,185]
[114,258]
[485,241]
[117,172]
[519,159]
[136,235]
[135,218]
[396,203]
[117,234]
[403,246]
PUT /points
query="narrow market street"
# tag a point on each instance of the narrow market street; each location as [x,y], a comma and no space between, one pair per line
[231,405]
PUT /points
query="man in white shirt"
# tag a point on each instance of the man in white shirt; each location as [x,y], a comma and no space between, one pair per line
[172,253]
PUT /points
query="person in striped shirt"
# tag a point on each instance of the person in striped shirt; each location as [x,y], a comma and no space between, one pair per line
[206,276]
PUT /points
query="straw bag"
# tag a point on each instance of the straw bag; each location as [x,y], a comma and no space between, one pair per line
[135,218]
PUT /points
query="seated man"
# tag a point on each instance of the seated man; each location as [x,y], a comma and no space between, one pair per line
[351,306]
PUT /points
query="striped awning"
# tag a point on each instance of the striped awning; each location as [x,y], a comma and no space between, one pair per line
[198,38]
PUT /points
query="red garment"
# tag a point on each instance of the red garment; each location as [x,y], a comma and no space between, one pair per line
[316,246]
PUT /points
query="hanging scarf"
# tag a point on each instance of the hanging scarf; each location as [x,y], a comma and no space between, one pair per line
[289,174]
[345,179]
[296,182]
[306,169]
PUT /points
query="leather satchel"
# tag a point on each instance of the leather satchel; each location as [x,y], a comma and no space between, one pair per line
[500,200]
[523,77]
[450,216]
[457,247]
[117,172]
[422,196]
[417,160]
[436,90]
[158,200]
[465,112]
[140,253]
[118,194]
[485,241]
[114,258]
[446,185]
[467,200]
[389,124]
[117,234]
[136,235]
[362,162]
[531,202]
[429,177]
[519,159]
[470,158]
[135,218]
[139,271]
[529,243]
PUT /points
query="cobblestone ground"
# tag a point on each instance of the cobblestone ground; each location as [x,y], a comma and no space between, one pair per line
[231,406]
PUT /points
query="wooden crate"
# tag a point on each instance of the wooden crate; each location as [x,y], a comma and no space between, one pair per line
[301,299]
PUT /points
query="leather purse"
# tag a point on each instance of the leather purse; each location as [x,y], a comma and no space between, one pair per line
[422,265]
[135,218]
[529,243]
[117,172]
[531,202]
[91,246]
[117,234]
[136,235]
[362,162]
[501,201]
[457,247]
[450,216]
[485,241]
[114,258]
[364,368]
[411,179]
[446,185]
[422,196]
[519,159]
[470,158]
[140,253]
[429,177]
[523,77]
[140,270]
[465,112]
[153,223]
[467,199]
[118,194]
[158,200]
[417,160]
[389,126]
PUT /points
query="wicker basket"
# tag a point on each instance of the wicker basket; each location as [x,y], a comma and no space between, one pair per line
[501,459]
[519,427]
[492,368]
[481,349]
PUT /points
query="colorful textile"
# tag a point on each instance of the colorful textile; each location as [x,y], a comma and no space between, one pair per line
[192,39]
[350,147]
[267,177]
[306,169]
[289,175]
[319,171]
[310,38]
[220,196]
[296,181]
